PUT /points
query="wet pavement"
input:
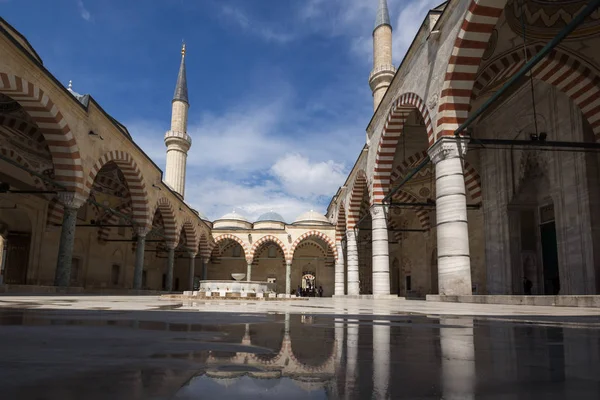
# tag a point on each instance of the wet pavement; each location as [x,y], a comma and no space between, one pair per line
[55,349]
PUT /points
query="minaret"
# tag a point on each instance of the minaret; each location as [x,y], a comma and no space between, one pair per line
[177,140]
[383,70]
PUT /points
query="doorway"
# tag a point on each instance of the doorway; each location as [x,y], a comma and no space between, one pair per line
[17,258]
[550,259]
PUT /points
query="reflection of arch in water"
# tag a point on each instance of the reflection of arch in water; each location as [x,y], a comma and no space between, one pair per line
[311,346]
[268,337]
[233,334]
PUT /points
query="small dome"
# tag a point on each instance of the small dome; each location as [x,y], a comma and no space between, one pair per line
[270,216]
[311,217]
[233,216]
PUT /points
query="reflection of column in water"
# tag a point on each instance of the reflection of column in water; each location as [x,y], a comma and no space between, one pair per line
[287,323]
[381,360]
[339,343]
[351,354]
[458,358]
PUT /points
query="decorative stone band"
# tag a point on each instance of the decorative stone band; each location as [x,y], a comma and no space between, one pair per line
[181,135]
[382,69]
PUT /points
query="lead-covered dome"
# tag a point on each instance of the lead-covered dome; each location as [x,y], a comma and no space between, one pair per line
[232,220]
[311,218]
[270,216]
[233,216]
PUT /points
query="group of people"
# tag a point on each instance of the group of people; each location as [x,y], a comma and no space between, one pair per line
[309,291]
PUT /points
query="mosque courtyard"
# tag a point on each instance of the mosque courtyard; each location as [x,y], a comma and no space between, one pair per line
[143,347]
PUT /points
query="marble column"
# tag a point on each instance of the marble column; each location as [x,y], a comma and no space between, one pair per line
[454,261]
[248,270]
[140,249]
[339,271]
[353,284]
[4,237]
[205,261]
[381,359]
[458,358]
[192,270]
[380,256]
[170,266]
[288,277]
[71,203]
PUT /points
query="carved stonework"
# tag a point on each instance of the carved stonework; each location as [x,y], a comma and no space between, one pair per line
[448,147]
[378,211]
[432,102]
[71,200]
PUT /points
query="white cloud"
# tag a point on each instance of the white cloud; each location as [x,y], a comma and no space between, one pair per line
[85,14]
[255,27]
[308,180]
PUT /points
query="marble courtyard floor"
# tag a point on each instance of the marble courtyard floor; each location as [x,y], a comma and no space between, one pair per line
[118,347]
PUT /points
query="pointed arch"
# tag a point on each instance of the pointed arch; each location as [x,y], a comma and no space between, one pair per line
[68,169]
[112,219]
[340,226]
[204,248]
[467,53]
[472,178]
[135,182]
[266,239]
[564,71]
[356,195]
[422,213]
[226,236]
[392,131]
[317,235]
[170,223]
[190,233]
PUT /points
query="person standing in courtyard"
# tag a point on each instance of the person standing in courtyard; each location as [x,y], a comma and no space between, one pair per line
[527,285]
[320,291]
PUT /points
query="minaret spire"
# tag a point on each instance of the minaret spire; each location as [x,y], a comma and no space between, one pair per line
[383,15]
[181,92]
[383,70]
[177,140]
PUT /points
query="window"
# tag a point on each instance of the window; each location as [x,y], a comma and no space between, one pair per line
[237,250]
[408,283]
[272,252]
[116,270]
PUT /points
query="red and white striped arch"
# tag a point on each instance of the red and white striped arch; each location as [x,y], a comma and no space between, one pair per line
[190,234]
[313,234]
[392,130]
[168,215]
[467,53]
[134,179]
[559,69]
[356,195]
[472,178]
[10,153]
[68,169]
[422,213]
[269,239]
[228,236]
[55,213]
[112,219]
[340,226]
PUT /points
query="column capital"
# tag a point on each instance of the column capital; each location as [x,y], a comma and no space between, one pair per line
[205,260]
[141,231]
[249,260]
[378,210]
[192,253]
[448,147]
[71,200]
[171,245]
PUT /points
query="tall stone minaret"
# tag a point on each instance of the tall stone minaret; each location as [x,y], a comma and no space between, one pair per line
[383,70]
[177,140]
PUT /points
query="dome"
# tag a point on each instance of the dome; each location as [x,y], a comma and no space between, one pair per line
[311,217]
[233,216]
[270,216]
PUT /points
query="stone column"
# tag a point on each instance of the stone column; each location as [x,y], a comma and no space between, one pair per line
[140,248]
[4,237]
[288,277]
[192,271]
[381,359]
[71,203]
[248,270]
[170,266]
[339,271]
[205,261]
[380,256]
[353,284]
[454,261]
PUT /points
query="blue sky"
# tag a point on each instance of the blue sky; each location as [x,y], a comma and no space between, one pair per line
[279,98]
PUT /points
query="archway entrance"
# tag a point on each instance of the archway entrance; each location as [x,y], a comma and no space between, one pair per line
[308,283]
